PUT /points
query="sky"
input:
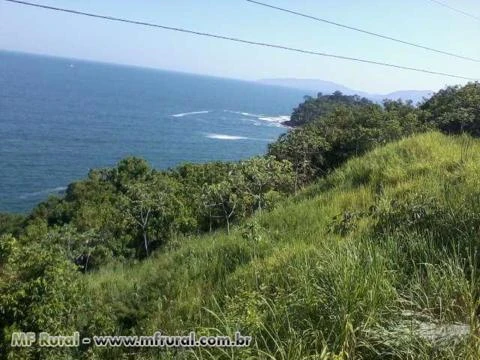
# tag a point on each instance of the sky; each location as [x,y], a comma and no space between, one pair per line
[41,31]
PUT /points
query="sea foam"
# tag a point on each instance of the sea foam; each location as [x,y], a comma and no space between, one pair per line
[276,121]
[234,137]
[190,113]
[226,137]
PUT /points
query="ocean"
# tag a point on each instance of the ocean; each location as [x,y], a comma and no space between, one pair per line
[59,118]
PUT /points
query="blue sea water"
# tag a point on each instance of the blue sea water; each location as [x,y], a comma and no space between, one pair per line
[61,117]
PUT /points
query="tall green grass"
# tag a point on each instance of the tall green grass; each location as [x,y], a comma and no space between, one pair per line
[379,260]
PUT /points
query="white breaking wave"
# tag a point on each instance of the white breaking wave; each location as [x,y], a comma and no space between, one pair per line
[250,115]
[44,192]
[243,113]
[191,113]
[226,137]
[233,137]
[276,121]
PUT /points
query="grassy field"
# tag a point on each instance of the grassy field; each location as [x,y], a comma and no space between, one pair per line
[376,261]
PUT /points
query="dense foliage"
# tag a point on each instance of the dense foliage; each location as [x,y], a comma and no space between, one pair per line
[378,259]
[455,109]
[130,210]
[314,108]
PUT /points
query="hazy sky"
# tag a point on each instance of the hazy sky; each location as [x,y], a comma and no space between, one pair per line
[422,21]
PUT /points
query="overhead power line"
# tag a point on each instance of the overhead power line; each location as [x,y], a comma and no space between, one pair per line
[249,42]
[456,10]
[386,37]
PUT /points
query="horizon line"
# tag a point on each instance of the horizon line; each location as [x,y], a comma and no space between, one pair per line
[256,81]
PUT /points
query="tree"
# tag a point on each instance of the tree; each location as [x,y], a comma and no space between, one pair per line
[223,200]
[139,206]
[154,207]
[455,109]
[265,174]
[194,179]
[11,223]
[129,170]
[40,290]
[305,149]
[88,250]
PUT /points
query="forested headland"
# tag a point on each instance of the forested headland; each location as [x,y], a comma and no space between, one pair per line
[355,236]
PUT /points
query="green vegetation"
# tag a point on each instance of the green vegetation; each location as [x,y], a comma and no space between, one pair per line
[313,108]
[374,256]
[345,131]
[455,109]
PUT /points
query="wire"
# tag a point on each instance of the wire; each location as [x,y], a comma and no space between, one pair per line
[111,18]
[456,10]
[363,31]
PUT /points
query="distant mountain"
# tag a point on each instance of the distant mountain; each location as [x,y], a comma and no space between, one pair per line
[414,95]
[314,86]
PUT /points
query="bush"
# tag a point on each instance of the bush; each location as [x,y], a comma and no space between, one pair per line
[455,109]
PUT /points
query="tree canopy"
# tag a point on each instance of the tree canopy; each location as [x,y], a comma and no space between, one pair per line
[454,109]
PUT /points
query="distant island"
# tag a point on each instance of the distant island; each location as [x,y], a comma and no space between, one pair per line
[327,87]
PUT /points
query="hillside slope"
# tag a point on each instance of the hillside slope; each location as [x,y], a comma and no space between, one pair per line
[378,260]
